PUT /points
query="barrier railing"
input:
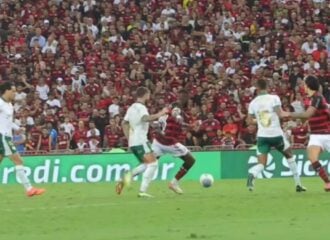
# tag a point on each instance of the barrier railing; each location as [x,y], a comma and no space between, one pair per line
[126,149]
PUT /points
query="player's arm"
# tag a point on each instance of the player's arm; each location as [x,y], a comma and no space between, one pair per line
[277,106]
[125,127]
[153,117]
[316,103]
[15,127]
[279,111]
[251,119]
[304,115]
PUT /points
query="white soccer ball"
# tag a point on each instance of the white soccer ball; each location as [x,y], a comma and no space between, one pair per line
[206,180]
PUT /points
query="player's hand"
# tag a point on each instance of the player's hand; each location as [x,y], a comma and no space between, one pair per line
[164,111]
[285,114]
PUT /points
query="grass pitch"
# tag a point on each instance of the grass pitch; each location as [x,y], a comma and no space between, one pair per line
[224,211]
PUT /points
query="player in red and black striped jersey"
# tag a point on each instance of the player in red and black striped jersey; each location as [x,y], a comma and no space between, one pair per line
[167,140]
[318,116]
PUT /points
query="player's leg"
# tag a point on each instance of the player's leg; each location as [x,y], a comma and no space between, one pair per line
[263,148]
[315,146]
[155,146]
[125,181]
[283,146]
[179,150]
[10,151]
[151,163]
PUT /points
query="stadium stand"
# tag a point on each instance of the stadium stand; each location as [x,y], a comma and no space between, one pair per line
[77,65]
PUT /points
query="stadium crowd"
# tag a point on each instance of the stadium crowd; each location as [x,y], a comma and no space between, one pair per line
[77,64]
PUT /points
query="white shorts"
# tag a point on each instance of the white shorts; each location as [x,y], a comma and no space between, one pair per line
[321,140]
[177,150]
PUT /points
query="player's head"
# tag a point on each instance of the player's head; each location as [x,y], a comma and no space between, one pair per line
[8,91]
[142,93]
[262,85]
[312,85]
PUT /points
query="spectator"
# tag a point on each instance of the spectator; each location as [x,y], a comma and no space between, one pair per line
[20,98]
[63,140]
[113,133]
[100,119]
[165,46]
[82,146]
[52,135]
[94,141]
[190,140]
[248,135]
[19,140]
[68,127]
[210,125]
[298,104]
[80,133]
[205,141]
[38,40]
[42,89]
[114,107]
[46,141]
[93,131]
[53,102]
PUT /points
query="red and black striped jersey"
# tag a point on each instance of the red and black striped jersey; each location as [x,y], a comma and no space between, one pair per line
[299,134]
[320,122]
[63,140]
[171,131]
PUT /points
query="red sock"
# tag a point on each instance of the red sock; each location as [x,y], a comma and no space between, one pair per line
[320,170]
[180,173]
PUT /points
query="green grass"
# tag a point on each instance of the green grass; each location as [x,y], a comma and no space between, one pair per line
[225,211]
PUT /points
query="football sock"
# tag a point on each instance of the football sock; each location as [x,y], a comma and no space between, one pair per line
[139,169]
[188,163]
[321,171]
[293,167]
[255,170]
[180,174]
[148,175]
[21,175]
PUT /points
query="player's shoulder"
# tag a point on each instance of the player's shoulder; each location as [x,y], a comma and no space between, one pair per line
[253,101]
[139,105]
[316,97]
[1,101]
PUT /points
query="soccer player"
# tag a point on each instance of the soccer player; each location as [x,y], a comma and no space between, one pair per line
[266,109]
[135,127]
[318,116]
[166,140]
[7,148]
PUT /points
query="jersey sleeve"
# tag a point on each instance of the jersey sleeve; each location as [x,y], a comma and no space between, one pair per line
[316,102]
[277,102]
[15,126]
[143,111]
[126,117]
[250,110]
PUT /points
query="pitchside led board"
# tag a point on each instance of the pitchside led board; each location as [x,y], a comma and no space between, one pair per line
[109,167]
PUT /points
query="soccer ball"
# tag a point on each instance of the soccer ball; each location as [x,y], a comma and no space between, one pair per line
[206,180]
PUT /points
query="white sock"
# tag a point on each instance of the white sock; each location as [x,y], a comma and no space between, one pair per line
[20,173]
[148,175]
[175,181]
[293,167]
[139,169]
[255,170]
